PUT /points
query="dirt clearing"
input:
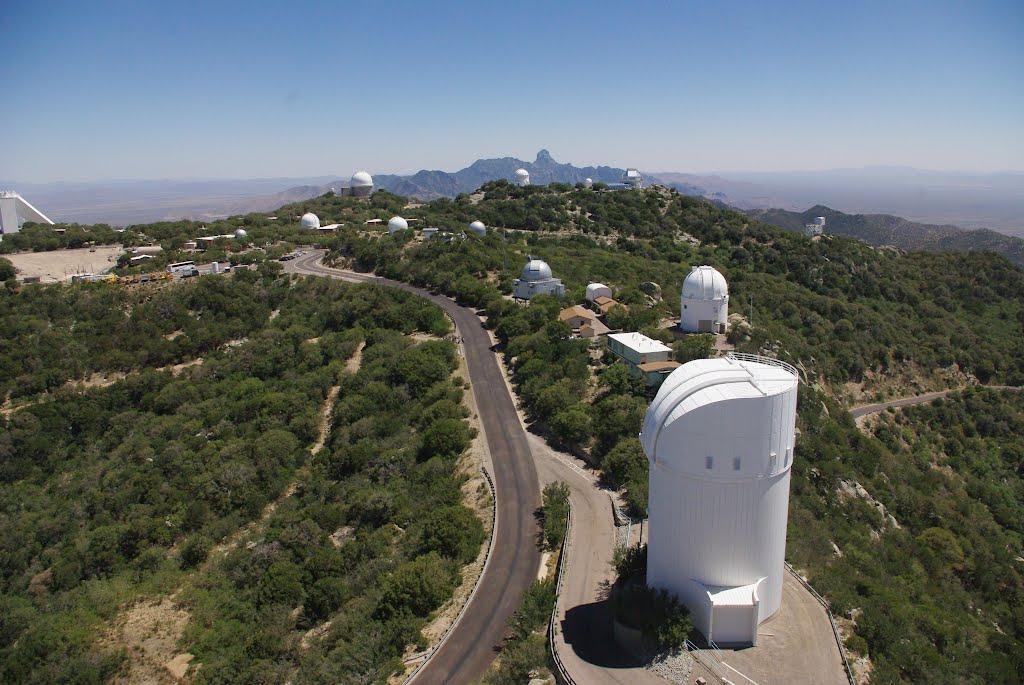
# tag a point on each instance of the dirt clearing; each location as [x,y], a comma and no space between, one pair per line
[60,265]
[149,632]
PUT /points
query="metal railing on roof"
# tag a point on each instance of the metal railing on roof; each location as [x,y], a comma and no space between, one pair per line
[760,359]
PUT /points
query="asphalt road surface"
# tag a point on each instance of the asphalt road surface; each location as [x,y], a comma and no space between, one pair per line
[866,409]
[515,557]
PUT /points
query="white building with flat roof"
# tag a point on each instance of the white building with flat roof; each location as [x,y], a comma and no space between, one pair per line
[816,227]
[719,439]
[645,357]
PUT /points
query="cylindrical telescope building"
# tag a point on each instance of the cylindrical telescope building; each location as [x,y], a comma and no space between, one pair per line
[719,439]
[361,184]
[704,301]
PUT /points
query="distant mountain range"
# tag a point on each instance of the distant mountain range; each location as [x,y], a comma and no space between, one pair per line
[427,185]
[990,200]
[885,229]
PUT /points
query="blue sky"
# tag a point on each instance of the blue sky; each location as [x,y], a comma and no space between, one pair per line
[243,90]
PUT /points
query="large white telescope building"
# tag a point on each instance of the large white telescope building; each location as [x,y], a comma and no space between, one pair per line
[719,437]
[16,210]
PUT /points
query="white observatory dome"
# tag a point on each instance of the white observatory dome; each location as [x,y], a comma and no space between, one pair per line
[522,177]
[705,283]
[704,301]
[361,184]
[588,183]
[310,220]
[719,440]
[478,228]
[536,270]
[396,224]
[241,233]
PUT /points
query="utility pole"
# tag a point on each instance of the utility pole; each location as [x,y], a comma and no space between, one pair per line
[750,297]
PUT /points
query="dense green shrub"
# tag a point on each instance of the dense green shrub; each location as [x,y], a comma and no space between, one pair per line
[657,614]
[555,508]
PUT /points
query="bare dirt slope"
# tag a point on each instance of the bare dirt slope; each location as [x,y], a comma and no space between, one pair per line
[60,265]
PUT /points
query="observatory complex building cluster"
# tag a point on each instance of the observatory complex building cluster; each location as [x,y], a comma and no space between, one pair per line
[719,438]
[719,435]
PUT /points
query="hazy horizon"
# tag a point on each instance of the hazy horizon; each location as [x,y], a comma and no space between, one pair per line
[529,158]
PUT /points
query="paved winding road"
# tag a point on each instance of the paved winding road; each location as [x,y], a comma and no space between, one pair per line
[866,409]
[515,558]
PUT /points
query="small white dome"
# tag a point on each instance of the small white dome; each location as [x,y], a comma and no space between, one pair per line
[705,283]
[588,183]
[522,177]
[478,228]
[536,270]
[310,220]
[361,179]
[241,233]
[397,223]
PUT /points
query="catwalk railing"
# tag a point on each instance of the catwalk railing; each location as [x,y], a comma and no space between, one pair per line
[561,672]
[831,620]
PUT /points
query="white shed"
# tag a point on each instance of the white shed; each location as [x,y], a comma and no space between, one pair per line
[596,290]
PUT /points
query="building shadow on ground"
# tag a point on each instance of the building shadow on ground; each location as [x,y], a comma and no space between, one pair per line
[587,629]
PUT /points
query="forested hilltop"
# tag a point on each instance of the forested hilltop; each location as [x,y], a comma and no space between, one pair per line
[193,470]
[886,229]
[858,322]
[886,524]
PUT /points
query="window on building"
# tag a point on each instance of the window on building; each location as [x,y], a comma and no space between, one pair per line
[736,464]
[709,462]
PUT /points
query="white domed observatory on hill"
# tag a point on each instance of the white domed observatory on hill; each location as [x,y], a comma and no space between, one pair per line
[241,234]
[704,301]
[397,224]
[361,184]
[536,279]
[310,220]
[478,228]
[522,177]
[719,439]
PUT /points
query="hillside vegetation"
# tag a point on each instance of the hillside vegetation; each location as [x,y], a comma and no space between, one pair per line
[142,488]
[840,310]
[923,595]
[885,229]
